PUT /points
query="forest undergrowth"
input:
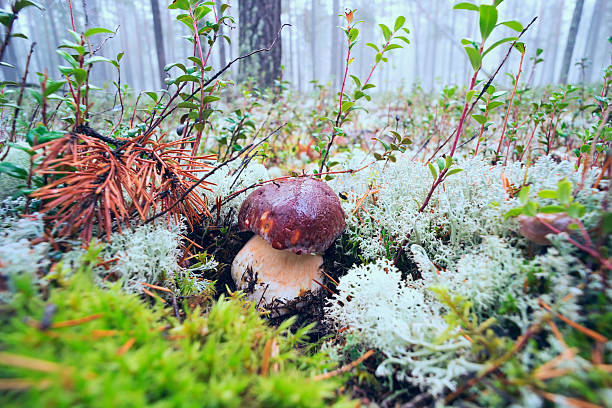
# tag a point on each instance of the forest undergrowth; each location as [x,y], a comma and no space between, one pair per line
[473,271]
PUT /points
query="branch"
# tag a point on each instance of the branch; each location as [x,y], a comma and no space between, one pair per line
[210,173]
[214,77]
[484,89]
[87,131]
[21,90]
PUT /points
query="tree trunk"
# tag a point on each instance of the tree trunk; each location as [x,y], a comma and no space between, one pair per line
[259,24]
[221,41]
[451,61]
[313,38]
[298,54]
[593,37]
[433,50]
[159,41]
[56,38]
[571,41]
[416,17]
[552,62]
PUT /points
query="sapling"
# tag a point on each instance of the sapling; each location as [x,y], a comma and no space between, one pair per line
[346,103]
[476,53]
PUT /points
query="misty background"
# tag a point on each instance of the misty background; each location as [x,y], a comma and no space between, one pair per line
[313,48]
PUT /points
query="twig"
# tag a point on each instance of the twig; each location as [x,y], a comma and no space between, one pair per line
[261,183]
[520,343]
[9,30]
[486,86]
[21,90]
[344,368]
[210,173]
[213,78]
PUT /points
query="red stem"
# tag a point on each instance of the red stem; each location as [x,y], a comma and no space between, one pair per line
[586,249]
[510,106]
[71,15]
[463,114]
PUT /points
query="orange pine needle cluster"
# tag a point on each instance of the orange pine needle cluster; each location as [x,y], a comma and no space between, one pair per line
[97,188]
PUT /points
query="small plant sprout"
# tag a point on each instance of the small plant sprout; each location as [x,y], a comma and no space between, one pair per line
[348,103]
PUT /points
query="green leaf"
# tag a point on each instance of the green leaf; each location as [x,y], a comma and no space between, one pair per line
[21,4]
[95,59]
[496,44]
[453,171]
[552,209]
[97,30]
[441,163]
[41,135]
[175,64]
[564,191]
[37,96]
[530,209]
[22,148]
[372,46]
[368,86]
[576,210]
[356,80]
[494,105]
[179,4]
[210,98]
[515,25]
[488,20]
[392,47]
[481,119]
[186,78]
[524,194]
[153,96]
[19,35]
[514,212]
[520,46]
[53,86]
[14,171]
[399,23]
[433,171]
[6,18]
[347,105]
[386,32]
[353,33]
[80,75]
[449,162]
[465,6]
[404,39]
[474,56]
[552,194]
[68,58]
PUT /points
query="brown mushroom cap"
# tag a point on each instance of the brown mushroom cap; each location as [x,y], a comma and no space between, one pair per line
[302,215]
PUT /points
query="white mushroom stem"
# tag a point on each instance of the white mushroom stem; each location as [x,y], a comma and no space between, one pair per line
[267,274]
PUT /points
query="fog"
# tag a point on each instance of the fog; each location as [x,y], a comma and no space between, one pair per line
[434,58]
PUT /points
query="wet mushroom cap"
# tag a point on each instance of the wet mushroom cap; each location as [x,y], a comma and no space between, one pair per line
[302,215]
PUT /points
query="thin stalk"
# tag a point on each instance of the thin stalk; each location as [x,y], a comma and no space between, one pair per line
[501,139]
[337,123]
[21,90]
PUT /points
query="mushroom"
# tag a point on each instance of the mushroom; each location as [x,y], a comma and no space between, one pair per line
[294,221]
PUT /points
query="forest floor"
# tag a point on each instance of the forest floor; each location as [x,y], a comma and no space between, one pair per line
[471,265]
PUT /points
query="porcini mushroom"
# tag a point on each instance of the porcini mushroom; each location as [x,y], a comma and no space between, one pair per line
[295,221]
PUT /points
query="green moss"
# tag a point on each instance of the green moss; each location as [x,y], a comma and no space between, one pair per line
[215,360]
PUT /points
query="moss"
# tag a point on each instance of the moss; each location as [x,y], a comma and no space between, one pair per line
[129,354]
